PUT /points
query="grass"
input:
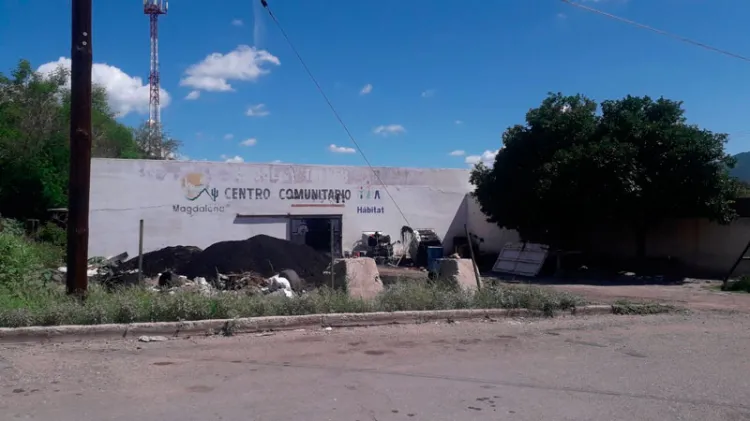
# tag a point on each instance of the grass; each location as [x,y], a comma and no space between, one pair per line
[50,306]
[740,285]
[626,307]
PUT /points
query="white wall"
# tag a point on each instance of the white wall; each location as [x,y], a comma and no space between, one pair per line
[494,237]
[125,191]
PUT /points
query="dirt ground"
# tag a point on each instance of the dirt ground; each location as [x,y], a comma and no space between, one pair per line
[697,294]
[666,367]
[693,294]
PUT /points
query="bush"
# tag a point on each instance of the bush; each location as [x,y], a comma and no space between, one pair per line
[740,285]
[22,260]
[53,234]
[51,306]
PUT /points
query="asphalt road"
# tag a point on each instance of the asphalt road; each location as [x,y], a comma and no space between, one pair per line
[675,367]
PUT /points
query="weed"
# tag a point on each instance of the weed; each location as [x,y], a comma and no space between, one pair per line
[50,306]
[625,307]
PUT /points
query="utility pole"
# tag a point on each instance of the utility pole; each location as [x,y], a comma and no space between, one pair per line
[80,149]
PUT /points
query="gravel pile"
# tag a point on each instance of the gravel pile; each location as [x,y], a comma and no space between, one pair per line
[172,259]
[260,254]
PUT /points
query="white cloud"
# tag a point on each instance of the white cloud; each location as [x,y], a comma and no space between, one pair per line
[214,72]
[390,129]
[459,122]
[457,152]
[228,136]
[249,142]
[257,111]
[366,89]
[487,157]
[562,16]
[235,159]
[429,93]
[125,93]
[340,149]
[193,95]
[237,22]
[276,161]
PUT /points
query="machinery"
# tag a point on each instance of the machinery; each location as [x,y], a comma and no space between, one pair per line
[379,246]
[418,240]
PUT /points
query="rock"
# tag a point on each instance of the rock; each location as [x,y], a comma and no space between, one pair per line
[457,273]
[293,278]
[359,277]
[145,338]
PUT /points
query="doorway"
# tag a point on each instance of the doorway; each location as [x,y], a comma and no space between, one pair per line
[317,231]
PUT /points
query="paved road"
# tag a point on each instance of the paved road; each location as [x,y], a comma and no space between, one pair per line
[675,367]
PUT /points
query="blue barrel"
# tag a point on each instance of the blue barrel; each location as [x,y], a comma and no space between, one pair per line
[433,254]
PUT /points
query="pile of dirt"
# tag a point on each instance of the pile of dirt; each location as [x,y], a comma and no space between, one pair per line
[173,259]
[260,254]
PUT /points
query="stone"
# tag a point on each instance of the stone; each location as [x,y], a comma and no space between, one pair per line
[358,276]
[145,338]
[293,278]
[457,273]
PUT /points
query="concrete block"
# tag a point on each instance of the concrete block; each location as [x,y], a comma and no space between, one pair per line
[457,273]
[359,277]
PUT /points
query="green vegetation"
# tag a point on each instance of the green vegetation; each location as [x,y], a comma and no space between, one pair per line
[626,307]
[739,285]
[34,140]
[51,306]
[636,163]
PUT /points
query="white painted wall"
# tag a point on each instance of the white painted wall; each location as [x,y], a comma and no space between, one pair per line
[125,191]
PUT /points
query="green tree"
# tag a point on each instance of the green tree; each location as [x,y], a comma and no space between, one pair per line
[33,143]
[34,140]
[569,170]
[153,142]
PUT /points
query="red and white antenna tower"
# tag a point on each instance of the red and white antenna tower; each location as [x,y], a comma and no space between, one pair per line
[154,8]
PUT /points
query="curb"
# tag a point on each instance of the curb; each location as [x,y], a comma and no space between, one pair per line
[260,324]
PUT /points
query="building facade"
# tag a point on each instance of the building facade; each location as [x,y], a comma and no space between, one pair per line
[201,203]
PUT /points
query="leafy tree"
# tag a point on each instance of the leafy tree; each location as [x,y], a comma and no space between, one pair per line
[569,170]
[34,140]
[154,143]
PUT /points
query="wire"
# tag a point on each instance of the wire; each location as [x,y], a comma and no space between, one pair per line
[333,109]
[658,31]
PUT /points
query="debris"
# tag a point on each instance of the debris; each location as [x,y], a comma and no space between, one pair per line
[170,280]
[261,254]
[329,328]
[293,278]
[168,259]
[145,338]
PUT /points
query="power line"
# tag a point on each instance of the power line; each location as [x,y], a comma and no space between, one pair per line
[333,109]
[658,31]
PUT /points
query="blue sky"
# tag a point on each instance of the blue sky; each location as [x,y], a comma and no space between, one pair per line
[445,76]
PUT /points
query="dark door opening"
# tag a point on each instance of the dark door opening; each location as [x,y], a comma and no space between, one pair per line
[315,231]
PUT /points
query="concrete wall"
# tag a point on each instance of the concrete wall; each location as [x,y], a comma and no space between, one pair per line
[198,203]
[494,237]
[705,248]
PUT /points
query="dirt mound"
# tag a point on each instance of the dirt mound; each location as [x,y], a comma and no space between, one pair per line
[167,259]
[261,254]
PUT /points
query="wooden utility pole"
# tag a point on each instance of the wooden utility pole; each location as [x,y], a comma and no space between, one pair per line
[80,148]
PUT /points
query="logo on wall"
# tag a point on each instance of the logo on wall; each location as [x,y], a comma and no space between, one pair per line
[195,185]
[369,193]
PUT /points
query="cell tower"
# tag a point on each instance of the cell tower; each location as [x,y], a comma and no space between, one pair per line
[154,8]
